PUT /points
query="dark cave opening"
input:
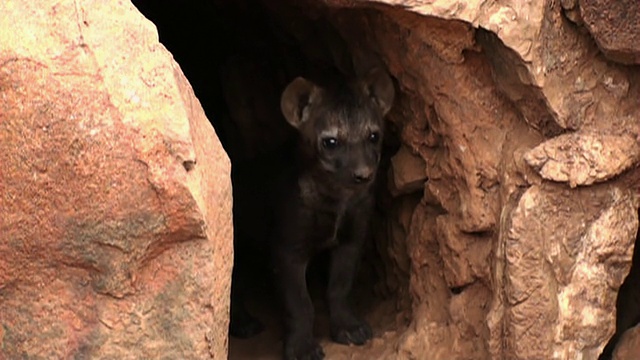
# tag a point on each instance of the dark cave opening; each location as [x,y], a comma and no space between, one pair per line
[238,57]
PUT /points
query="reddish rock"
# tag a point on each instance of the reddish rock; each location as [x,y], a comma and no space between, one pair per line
[408,172]
[472,122]
[567,253]
[629,346]
[615,25]
[115,227]
[583,159]
[464,255]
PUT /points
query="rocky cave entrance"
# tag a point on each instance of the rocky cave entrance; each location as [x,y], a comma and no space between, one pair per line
[431,282]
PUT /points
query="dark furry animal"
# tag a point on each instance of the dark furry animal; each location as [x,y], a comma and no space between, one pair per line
[323,200]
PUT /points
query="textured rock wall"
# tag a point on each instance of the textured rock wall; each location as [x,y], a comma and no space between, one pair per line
[521,138]
[530,138]
[115,230]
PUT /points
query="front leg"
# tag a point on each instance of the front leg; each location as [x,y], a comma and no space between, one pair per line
[299,343]
[242,324]
[346,327]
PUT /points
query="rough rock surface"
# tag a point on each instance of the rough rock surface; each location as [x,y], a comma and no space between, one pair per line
[115,196]
[408,172]
[511,107]
[567,252]
[615,26]
[505,264]
[583,159]
[629,346]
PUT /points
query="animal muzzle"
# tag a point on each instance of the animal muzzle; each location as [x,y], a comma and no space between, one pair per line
[363,175]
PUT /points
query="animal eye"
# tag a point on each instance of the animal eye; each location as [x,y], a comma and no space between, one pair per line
[329,143]
[374,137]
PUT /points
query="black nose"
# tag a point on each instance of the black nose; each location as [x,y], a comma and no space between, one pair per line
[362,175]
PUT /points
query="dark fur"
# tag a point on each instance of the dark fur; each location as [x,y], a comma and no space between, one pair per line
[324,200]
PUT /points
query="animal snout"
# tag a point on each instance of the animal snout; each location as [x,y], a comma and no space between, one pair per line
[363,175]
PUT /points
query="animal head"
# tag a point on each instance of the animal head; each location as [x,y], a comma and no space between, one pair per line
[342,125]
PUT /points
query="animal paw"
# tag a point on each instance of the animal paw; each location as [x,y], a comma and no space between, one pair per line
[356,333]
[303,349]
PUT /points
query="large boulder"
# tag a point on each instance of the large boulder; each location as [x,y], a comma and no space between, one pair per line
[115,231]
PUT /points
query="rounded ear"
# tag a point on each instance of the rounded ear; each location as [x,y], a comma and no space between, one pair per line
[299,94]
[379,86]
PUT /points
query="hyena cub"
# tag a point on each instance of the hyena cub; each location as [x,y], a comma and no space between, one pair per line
[326,200]
[311,196]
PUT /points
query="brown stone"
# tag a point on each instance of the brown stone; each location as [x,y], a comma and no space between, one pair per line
[615,26]
[408,172]
[464,255]
[584,159]
[115,223]
[562,274]
[629,346]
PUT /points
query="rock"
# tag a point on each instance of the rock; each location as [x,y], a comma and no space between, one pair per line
[627,310]
[464,255]
[116,228]
[567,253]
[584,159]
[472,112]
[629,346]
[615,26]
[408,172]
[571,10]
